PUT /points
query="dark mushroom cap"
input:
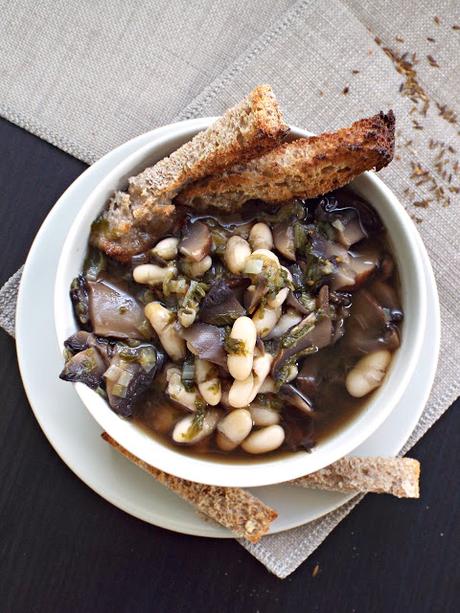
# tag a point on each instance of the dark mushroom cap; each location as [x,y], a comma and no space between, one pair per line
[283,237]
[86,367]
[196,242]
[220,305]
[207,342]
[115,312]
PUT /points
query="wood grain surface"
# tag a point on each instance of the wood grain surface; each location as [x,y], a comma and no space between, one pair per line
[64,549]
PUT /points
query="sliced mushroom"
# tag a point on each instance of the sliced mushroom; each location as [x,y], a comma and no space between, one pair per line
[78,341]
[318,334]
[254,294]
[220,305]
[207,342]
[283,237]
[86,367]
[367,328]
[348,207]
[196,242]
[130,373]
[296,398]
[113,311]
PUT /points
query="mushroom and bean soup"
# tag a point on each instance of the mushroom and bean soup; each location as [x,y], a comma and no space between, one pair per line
[243,335]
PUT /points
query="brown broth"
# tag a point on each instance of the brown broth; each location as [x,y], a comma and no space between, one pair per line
[334,407]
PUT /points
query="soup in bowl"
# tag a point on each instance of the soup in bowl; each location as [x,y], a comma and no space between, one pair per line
[280,336]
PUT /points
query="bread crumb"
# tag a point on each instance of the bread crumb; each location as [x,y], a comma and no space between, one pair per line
[315,570]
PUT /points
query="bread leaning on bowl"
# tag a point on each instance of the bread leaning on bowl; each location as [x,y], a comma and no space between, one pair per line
[304,168]
[134,220]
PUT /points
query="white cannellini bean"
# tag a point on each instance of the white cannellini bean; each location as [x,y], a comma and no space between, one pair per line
[234,428]
[292,374]
[266,253]
[265,319]
[187,317]
[181,432]
[368,373]
[243,392]
[278,300]
[261,368]
[198,269]
[286,322]
[268,387]
[262,415]
[240,393]
[264,440]
[162,321]
[208,382]
[237,250]
[177,391]
[260,237]
[240,365]
[152,274]
[166,248]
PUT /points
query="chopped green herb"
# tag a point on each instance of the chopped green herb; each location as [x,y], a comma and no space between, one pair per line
[235,346]
[197,422]
[297,332]
[95,263]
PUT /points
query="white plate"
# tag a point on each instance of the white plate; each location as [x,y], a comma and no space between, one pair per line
[76,436]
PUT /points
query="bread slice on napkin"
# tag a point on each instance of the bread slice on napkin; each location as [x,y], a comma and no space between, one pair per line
[133,221]
[396,476]
[306,168]
[242,513]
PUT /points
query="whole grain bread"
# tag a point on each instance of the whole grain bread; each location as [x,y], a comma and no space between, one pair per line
[396,476]
[239,511]
[132,222]
[307,167]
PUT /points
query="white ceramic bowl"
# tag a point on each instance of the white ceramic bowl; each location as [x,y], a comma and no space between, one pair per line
[257,471]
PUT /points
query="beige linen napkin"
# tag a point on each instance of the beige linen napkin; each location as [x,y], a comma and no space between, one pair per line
[329,63]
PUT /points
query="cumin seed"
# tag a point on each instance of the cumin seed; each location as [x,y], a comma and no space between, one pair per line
[432,61]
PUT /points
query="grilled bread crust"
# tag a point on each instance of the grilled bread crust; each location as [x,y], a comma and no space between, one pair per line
[133,221]
[396,476]
[307,167]
[239,511]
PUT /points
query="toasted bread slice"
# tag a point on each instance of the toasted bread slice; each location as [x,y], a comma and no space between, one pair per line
[245,515]
[396,476]
[307,167]
[134,221]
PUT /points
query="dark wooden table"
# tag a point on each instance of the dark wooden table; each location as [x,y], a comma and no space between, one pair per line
[64,549]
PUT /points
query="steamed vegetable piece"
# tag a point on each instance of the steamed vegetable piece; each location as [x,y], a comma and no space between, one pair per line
[86,367]
[126,370]
[106,307]
[188,310]
[131,372]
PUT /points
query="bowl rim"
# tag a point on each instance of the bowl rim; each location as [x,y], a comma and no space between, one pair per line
[228,473]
